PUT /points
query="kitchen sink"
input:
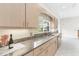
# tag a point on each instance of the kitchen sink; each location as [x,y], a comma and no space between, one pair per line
[5,51]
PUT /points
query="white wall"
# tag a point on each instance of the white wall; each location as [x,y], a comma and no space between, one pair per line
[72,12]
[70,26]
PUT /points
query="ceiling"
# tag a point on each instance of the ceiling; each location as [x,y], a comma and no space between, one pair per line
[63,10]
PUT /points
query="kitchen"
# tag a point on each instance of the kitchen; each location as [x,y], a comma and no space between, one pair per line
[28,29]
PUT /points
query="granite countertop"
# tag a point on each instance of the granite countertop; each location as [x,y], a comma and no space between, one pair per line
[32,44]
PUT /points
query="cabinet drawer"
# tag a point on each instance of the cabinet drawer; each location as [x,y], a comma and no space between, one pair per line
[29,54]
[44,53]
[53,40]
[45,45]
[38,50]
[41,48]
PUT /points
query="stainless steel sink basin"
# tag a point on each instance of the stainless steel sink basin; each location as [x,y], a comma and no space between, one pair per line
[5,51]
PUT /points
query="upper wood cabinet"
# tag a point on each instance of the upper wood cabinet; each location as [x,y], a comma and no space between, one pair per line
[12,15]
[21,15]
[54,24]
[32,15]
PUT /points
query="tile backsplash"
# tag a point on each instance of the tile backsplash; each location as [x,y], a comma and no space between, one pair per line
[17,33]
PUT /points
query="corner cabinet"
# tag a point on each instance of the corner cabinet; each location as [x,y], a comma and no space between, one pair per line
[12,15]
[32,14]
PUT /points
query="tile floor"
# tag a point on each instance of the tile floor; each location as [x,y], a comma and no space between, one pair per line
[69,47]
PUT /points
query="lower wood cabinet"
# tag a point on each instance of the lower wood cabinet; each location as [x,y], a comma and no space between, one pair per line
[39,50]
[44,53]
[29,54]
[47,49]
[53,47]
[59,40]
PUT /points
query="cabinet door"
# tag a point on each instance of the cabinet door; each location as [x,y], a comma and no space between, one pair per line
[59,41]
[44,53]
[52,25]
[55,23]
[12,15]
[32,14]
[53,47]
[29,54]
[38,50]
[51,50]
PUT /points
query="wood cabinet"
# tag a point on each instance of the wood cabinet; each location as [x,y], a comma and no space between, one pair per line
[20,15]
[55,23]
[12,15]
[53,47]
[39,51]
[47,49]
[45,11]
[52,26]
[29,54]
[59,40]
[44,53]
[32,14]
